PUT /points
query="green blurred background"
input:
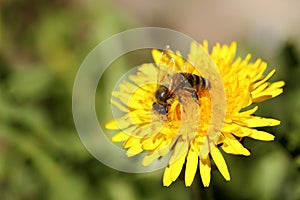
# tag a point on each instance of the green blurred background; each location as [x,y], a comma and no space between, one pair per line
[42,44]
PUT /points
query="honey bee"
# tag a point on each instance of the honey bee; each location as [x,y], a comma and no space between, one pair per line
[179,83]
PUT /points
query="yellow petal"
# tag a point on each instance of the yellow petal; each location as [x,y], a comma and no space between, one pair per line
[198,56]
[220,163]
[139,116]
[150,157]
[204,44]
[144,130]
[113,125]
[164,147]
[157,56]
[120,106]
[232,146]
[230,127]
[167,177]
[254,121]
[120,123]
[176,166]
[181,148]
[260,88]
[127,87]
[261,135]
[148,69]
[132,141]
[278,84]
[151,143]
[120,137]
[255,85]
[204,167]
[123,97]
[249,112]
[231,52]
[191,167]
[266,95]
[134,150]
[135,117]
[259,67]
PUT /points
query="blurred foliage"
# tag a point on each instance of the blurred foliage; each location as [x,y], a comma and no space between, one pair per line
[42,44]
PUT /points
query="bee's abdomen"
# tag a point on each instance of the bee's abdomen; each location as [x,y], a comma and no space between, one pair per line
[199,83]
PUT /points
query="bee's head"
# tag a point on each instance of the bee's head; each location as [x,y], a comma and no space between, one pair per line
[162,94]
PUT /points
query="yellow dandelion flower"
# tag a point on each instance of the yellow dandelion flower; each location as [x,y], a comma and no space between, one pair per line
[169,128]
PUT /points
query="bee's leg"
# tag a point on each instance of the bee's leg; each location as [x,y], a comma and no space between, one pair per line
[192,91]
[195,95]
[163,110]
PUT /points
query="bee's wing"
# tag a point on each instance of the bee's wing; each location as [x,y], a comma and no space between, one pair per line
[166,66]
[174,61]
[181,64]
